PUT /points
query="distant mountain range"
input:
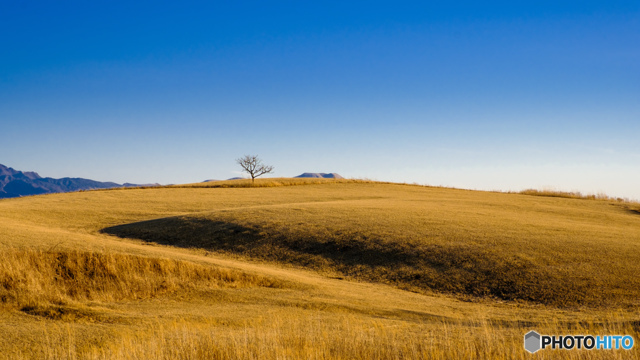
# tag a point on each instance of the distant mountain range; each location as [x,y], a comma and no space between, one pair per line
[320,175]
[14,183]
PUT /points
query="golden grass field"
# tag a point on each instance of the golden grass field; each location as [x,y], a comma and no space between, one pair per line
[313,269]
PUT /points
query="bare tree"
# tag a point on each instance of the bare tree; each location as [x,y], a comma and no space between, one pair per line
[254,166]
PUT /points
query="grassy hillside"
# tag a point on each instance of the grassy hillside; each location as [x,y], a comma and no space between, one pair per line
[511,247]
[315,271]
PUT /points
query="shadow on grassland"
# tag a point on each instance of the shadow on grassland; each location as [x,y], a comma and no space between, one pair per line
[469,271]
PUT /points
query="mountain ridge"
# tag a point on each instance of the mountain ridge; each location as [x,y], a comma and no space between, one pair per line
[15,183]
[320,175]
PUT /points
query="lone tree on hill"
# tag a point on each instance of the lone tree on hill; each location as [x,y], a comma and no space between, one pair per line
[253,165]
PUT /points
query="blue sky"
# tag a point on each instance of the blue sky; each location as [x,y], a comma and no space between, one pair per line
[479,95]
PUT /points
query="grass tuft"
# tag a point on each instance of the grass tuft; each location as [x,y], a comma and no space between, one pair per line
[43,283]
[574,195]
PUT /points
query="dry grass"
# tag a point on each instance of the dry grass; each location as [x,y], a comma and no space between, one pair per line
[500,246]
[346,337]
[56,284]
[273,182]
[72,292]
[258,183]
[574,195]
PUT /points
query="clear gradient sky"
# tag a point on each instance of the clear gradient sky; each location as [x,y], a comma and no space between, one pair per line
[481,95]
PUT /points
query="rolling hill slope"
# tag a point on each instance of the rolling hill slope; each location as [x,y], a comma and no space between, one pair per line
[318,270]
[506,246]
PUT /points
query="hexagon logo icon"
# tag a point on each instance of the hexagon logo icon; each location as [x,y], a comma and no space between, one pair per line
[532,341]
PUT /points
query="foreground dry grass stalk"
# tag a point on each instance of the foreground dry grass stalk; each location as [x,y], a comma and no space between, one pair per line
[314,338]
